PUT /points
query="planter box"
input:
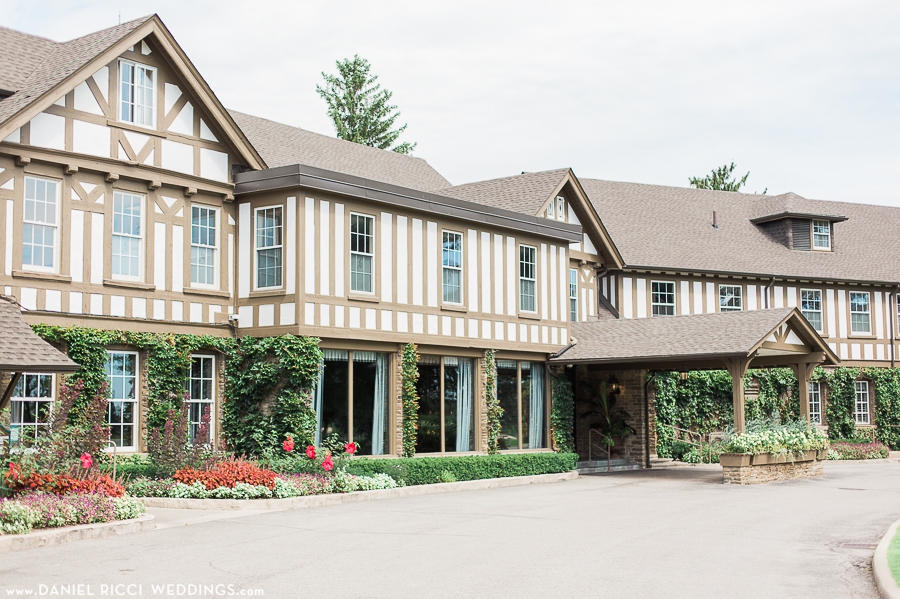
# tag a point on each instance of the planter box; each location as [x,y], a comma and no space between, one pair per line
[762,459]
[822,454]
[736,460]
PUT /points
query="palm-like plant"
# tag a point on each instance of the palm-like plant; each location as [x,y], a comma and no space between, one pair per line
[609,420]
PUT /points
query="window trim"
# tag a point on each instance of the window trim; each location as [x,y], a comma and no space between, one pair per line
[821,310]
[561,208]
[215,248]
[812,235]
[57,241]
[256,248]
[15,398]
[573,308]
[212,402]
[551,209]
[135,411]
[740,297]
[868,313]
[533,280]
[462,261]
[142,250]
[815,417]
[350,252]
[155,106]
[856,403]
[674,303]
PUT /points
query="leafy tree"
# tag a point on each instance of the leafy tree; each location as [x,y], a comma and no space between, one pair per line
[721,179]
[360,109]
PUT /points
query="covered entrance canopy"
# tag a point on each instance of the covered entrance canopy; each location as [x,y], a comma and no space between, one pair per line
[23,351]
[734,341]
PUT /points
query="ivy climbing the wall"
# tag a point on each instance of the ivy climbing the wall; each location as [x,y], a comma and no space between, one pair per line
[492,402]
[887,408]
[841,405]
[562,413]
[409,375]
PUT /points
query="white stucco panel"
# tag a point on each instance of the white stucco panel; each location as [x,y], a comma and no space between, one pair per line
[213,165]
[48,131]
[177,156]
[88,138]
[85,100]
[101,78]
[184,122]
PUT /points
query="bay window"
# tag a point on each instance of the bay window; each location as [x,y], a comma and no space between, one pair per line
[446,389]
[521,392]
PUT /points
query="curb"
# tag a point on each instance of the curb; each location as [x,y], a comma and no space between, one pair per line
[60,536]
[884,580]
[355,497]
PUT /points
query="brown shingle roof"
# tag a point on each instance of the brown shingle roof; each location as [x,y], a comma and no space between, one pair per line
[671,228]
[50,63]
[284,145]
[21,350]
[524,193]
[20,55]
[670,338]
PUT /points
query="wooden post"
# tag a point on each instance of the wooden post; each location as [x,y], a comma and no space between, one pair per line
[737,368]
[803,372]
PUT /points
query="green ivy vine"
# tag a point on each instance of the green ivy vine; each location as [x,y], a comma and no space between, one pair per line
[562,413]
[492,402]
[841,404]
[409,397]
[887,409]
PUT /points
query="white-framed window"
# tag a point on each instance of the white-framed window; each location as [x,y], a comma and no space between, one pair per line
[201,391]
[127,235]
[122,372]
[527,278]
[662,298]
[560,208]
[269,229]
[573,294]
[452,260]
[137,93]
[861,414]
[821,233]
[811,307]
[731,298]
[30,407]
[815,402]
[551,209]
[362,253]
[204,241]
[40,226]
[860,319]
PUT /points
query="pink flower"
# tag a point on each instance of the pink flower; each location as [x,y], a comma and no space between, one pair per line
[328,463]
[350,448]
[311,452]
[86,461]
[288,444]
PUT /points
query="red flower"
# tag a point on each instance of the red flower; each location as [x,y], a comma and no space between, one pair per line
[350,448]
[328,463]
[13,474]
[311,452]
[86,461]
[288,444]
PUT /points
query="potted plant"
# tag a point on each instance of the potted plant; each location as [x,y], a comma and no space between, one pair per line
[608,420]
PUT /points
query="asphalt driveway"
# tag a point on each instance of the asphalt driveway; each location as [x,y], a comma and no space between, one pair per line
[660,533]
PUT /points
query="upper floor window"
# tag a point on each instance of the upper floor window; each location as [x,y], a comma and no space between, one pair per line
[203,245]
[815,402]
[573,294]
[811,307]
[861,414]
[527,278]
[201,395]
[551,209]
[662,298]
[137,93]
[30,406]
[362,253]
[268,247]
[821,230]
[452,264]
[860,320]
[560,208]
[731,298]
[127,239]
[41,222]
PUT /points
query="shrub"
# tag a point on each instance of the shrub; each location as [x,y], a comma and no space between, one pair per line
[16,518]
[68,510]
[126,508]
[132,466]
[848,450]
[764,436]
[228,474]
[678,450]
[170,447]
[63,484]
[148,487]
[423,471]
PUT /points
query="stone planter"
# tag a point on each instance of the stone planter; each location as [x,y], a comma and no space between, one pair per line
[736,460]
[822,454]
[748,469]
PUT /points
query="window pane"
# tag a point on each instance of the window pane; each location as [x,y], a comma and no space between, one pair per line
[362,244]
[459,410]
[662,298]
[507,394]
[122,372]
[428,437]
[730,298]
[334,400]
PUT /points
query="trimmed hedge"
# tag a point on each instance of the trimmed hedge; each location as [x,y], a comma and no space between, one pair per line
[426,471]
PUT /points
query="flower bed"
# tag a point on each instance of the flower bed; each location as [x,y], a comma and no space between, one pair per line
[848,450]
[770,452]
[765,437]
[31,510]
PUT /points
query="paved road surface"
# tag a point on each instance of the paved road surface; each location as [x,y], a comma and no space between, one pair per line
[661,533]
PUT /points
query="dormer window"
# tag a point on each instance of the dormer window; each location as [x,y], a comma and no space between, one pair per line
[137,93]
[821,230]
[560,208]
[551,209]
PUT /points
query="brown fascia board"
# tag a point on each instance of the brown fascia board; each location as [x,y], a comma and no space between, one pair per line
[687,359]
[754,275]
[783,215]
[298,175]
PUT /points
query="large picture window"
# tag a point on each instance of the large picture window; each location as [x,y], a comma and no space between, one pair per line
[527,278]
[861,414]
[815,402]
[201,395]
[860,320]
[521,392]
[40,229]
[362,253]
[811,307]
[268,247]
[731,298]
[446,391]
[137,93]
[127,235]
[30,406]
[121,370]
[451,257]
[351,399]
[662,298]
[203,245]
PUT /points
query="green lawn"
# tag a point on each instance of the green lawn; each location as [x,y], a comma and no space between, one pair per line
[893,556]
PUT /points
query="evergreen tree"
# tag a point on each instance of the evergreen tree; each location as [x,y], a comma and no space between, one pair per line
[721,179]
[360,109]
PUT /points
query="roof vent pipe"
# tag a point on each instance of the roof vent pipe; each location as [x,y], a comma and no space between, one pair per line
[715,224]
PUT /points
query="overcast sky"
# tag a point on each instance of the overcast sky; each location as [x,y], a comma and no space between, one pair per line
[804,95]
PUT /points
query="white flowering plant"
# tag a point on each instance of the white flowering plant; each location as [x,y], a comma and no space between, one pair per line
[766,436]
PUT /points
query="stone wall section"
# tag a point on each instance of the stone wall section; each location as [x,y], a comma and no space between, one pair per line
[398,401]
[767,473]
